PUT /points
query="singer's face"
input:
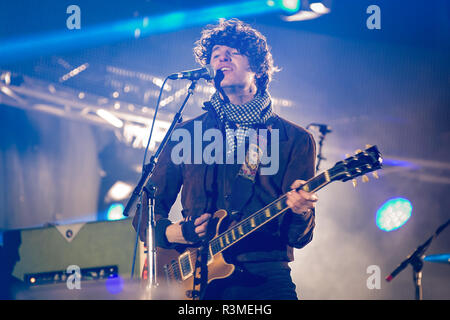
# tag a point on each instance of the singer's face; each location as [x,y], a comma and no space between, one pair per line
[235,67]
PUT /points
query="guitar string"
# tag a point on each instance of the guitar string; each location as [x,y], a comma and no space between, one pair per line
[244,223]
[259,214]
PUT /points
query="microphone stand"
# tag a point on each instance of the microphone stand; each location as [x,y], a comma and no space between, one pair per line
[415,259]
[319,156]
[145,190]
[323,131]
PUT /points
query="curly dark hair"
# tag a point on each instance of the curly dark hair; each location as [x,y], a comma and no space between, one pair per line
[241,36]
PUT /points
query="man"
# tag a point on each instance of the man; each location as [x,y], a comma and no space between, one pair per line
[241,103]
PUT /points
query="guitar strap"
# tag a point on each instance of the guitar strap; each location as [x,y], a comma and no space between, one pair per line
[243,184]
[242,191]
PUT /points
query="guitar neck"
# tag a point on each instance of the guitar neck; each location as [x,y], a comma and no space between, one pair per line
[261,217]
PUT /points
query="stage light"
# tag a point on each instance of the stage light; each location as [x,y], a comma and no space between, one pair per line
[308,10]
[10,93]
[114,285]
[51,88]
[393,214]
[74,72]
[400,163]
[6,77]
[119,191]
[50,43]
[7,91]
[137,135]
[440,258]
[115,212]
[109,117]
[319,8]
[11,79]
[290,6]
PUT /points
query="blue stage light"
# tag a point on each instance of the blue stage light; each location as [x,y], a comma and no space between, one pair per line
[440,258]
[115,212]
[393,214]
[37,45]
[114,285]
[400,163]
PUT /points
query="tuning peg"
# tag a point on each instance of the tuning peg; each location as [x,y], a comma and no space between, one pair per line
[375,175]
[365,178]
[358,151]
[354,183]
[368,146]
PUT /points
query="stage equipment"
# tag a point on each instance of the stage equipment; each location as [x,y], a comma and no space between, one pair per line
[100,250]
[145,190]
[323,129]
[415,260]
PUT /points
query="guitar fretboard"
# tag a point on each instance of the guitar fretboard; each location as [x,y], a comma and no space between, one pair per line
[261,217]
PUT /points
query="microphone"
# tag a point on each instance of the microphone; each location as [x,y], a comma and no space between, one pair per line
[217,80]
[323,128]
[397,270]
[206,72]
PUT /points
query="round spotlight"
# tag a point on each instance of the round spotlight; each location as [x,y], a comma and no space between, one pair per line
[393,214]
[114,285]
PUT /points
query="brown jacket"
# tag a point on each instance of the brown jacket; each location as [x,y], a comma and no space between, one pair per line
[207,188]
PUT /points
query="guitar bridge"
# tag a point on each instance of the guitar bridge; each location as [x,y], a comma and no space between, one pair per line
[172,272]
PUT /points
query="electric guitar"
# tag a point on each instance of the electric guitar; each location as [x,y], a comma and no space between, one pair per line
[181,272]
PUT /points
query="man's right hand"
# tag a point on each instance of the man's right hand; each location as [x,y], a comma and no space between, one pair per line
[201,224]
[174,232]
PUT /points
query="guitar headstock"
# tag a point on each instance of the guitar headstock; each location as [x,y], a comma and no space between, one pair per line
[361,163]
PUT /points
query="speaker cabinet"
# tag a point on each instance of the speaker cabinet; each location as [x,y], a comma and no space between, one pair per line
[99,249]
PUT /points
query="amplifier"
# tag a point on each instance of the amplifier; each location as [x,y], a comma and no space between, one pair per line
[99,249]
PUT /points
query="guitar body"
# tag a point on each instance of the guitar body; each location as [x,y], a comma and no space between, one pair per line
[175,272]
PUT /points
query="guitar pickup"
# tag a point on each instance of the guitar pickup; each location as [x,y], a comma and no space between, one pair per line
[185,265]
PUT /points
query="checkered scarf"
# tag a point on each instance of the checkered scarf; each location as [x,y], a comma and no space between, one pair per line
[245,116]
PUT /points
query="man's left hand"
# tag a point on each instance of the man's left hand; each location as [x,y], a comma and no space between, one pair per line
[301,202]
